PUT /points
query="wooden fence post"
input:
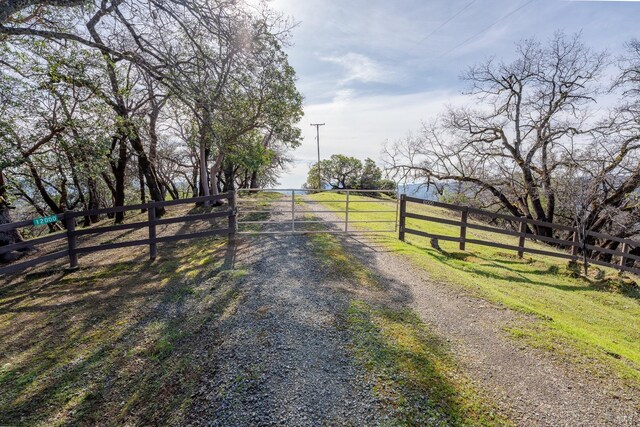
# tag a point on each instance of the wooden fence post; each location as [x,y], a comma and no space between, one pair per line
[153,245]
[403,211]
[293,211]
[623,258]
[521,240]
[463,227]
[70,225]
[233,212]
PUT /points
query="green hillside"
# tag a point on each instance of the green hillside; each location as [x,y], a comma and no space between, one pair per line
[588,321]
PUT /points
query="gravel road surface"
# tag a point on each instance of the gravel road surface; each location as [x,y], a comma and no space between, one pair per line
[282,358]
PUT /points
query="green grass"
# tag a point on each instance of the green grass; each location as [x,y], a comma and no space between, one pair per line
[116,344]
[255,201]
[591,322]
[414,370]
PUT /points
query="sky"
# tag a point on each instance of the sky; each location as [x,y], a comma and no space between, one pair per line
[373,70]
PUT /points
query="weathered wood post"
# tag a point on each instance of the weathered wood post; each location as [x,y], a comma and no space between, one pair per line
[70,225]
[623,258]
[403,211]
[153,245]
[463,227]
[521,240]
[233,212]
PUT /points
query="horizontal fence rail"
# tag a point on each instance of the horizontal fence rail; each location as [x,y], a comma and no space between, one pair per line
[625,259]
[73,249]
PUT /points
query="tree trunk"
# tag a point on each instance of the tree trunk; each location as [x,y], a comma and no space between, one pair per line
[229,178]
[204,182]
[76,184]
[173,191]
[195,187]
[6,237]
[215,168]
[153,136]
[254,180]
[37,180]
[107,180]
[534,192]
[119,170]
[153,142]
[143,197]
[205,141]
[94,198]
[148,170]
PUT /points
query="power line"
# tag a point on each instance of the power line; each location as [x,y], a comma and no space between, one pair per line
[487,28]
[446,22]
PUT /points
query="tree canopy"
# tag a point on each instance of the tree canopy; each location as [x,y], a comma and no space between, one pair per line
[343,172]
[118,101]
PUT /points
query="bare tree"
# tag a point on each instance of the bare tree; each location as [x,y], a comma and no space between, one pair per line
[528,115]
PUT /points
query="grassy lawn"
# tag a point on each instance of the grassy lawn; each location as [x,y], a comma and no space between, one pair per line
[414,370]
[595,323]
[121,341]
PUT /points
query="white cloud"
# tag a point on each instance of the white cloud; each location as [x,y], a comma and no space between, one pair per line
[343,96]
[360,68]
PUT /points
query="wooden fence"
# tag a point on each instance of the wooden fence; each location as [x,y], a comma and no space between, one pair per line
[72,249]
[625,260]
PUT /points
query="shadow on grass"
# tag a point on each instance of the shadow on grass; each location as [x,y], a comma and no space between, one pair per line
[115,344]
[419,372]
[507,270]
[413,369]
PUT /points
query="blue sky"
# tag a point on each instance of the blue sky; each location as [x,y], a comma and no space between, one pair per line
[373,70]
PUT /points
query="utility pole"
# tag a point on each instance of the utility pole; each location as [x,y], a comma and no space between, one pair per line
[317,125]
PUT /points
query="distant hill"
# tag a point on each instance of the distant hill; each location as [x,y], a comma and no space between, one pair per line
[420,191]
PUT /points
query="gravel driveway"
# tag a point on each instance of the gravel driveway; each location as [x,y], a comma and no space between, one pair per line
[282,357]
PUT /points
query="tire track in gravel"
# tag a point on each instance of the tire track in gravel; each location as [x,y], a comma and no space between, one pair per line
[282,358]
[533,386]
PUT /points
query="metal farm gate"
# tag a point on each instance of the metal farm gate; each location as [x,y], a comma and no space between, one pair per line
[302,211]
